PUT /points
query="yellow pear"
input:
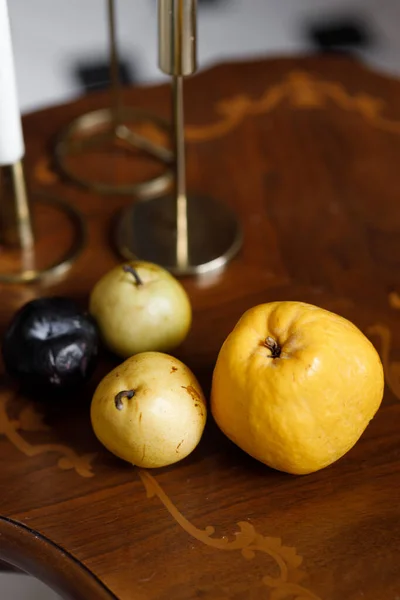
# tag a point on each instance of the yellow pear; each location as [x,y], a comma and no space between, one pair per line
[150,410]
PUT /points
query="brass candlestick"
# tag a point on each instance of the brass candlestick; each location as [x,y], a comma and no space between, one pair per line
[113,127]
[186,234]
[23,258]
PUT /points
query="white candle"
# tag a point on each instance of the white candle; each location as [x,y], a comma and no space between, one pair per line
[11,139]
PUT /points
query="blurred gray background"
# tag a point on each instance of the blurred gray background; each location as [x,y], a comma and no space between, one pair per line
[54,38]
[60,49]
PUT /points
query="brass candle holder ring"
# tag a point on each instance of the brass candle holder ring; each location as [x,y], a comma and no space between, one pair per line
[117,128]
[99,129]
[26,256]
[186,234]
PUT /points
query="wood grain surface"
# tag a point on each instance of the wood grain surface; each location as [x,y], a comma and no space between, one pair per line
[307,152]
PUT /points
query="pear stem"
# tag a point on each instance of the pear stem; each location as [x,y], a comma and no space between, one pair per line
[273,346]
[124,394]
[132,271]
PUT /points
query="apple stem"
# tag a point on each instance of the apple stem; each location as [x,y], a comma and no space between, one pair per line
[124,394]
[273,346]
[132,271]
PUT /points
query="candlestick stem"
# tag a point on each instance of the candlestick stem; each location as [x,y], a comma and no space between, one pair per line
[16,219]
[114,66]
[182,251]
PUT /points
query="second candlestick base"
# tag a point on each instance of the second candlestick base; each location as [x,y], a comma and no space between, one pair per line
[147,231]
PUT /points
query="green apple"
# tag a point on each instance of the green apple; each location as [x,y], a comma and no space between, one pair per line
[139,307]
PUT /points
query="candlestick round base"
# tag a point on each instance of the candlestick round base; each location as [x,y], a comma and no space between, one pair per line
[60,236]
[94,143]
[148,231]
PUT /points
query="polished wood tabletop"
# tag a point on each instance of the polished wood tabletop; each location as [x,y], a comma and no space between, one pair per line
[307,153]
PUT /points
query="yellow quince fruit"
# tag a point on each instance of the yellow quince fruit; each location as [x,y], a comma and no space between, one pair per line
[295,386]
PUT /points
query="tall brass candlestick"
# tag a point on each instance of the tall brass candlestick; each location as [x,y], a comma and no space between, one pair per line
[110,127]
[184,233]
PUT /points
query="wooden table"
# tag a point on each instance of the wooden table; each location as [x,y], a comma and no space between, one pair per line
[307,152]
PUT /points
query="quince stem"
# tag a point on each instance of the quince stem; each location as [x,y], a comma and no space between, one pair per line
[273,346]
